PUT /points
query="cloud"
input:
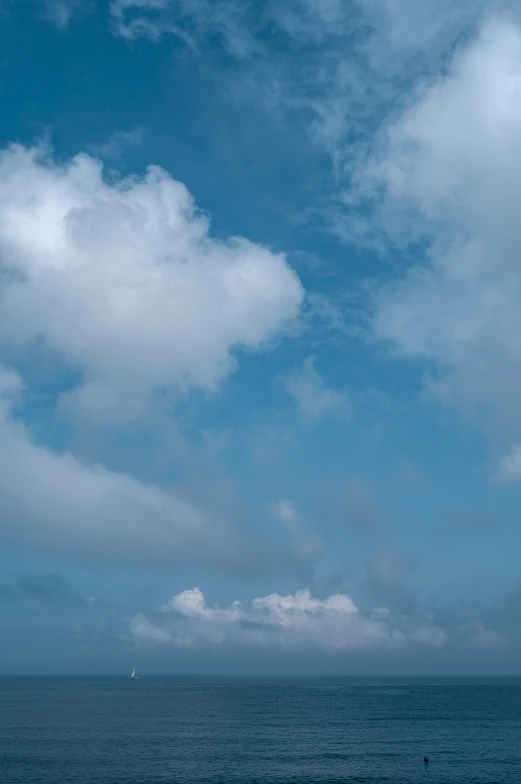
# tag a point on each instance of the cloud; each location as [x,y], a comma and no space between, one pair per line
[117,143]
[192,604]
[122,281]
[295,624]
[60,12]
[308,546]
[347,63]
[295,621]
[258,37]
[387,571]
[479,636]
[449,174]
[359,507]
[415,25]
[509,469]
[144,630]
[313,398]
[60,503]
[238,27]
[503,616]
[349,504]
[39,611]
[406,25]
[388,567]
[336,67]
[48,589]
[457,521]
[410,478]
[348,515]
[191,21]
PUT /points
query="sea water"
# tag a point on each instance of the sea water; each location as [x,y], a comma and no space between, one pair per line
[255,731]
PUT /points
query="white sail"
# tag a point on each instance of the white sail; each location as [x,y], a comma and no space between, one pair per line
[134,673]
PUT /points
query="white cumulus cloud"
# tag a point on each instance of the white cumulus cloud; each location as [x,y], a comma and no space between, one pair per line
[123,281]
[192,604]
[294,621]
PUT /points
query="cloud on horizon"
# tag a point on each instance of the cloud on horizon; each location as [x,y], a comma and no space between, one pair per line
[297,627]
[292,622]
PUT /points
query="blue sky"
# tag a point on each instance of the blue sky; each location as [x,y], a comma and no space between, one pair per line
[259,336]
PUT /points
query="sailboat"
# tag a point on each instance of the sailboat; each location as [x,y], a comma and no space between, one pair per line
[134,676]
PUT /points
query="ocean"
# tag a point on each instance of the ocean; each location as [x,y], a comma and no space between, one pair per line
[216,731]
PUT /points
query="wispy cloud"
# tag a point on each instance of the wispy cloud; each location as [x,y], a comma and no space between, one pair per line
[448,173]
[314,399]
[509,468]
[59,503]
[113,148]
[61,12]
[308,545]
[343,66]
[350,505]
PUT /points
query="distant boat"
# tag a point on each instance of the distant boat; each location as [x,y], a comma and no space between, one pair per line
[134,676]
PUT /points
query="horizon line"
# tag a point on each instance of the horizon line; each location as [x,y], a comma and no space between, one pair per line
[236,676]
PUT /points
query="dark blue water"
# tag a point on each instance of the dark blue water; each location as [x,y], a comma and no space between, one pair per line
[153,731]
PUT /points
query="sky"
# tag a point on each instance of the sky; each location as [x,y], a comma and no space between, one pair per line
[260,336]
